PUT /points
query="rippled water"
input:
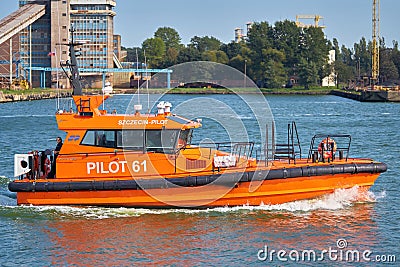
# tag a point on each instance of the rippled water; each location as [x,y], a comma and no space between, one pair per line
[234,236]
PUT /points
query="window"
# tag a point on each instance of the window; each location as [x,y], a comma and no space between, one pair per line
[130,139]
[99,138]
[160,141]
[185,138]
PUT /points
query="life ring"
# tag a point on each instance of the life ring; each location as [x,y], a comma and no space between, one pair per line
[46,167]
[327,148]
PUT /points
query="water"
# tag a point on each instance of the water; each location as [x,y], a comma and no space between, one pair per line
[227,236]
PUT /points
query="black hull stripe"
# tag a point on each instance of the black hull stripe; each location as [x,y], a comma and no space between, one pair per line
[190,181]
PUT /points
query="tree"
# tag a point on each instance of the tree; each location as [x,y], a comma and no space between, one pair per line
[286,36]
[258,40]
[308,73]
[388,70]
[363,57]
[274,74]
[170,37]
[188,54]
[171,57]
[396,55]
[206,43]
[232,49]
[155,51]
[314,50]
[215,56]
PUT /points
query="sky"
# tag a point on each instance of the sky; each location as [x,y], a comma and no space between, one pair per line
[346,20]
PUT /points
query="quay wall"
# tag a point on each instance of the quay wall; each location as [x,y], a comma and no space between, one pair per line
[4,98]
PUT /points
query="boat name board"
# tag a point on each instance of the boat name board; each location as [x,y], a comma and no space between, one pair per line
[142,122]
[115,167]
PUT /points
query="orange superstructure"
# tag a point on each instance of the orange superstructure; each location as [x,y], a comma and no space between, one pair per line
[148,160]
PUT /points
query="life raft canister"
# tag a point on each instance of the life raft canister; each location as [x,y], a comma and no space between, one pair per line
[327,148]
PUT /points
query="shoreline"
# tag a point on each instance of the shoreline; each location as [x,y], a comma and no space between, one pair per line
[15,97]
[10,98]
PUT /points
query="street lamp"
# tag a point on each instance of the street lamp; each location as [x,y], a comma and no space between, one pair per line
[245,75]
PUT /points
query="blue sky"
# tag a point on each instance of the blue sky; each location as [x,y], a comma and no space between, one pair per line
[346,20]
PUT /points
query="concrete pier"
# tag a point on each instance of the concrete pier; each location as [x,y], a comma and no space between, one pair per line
[370,95]
[4,98]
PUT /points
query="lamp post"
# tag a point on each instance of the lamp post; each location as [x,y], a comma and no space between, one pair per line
[245,73]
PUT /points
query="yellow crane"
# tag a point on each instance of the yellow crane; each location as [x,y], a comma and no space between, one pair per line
[316,19]
[375,41]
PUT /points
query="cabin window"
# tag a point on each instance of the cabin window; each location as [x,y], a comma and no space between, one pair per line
[161,140]
[89,138]
[130,139]
[185,138]
[99,138]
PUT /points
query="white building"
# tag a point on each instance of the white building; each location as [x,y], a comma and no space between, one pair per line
[331,79]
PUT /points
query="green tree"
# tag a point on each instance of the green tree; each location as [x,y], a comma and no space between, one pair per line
[286,36]
[362,57]
[171,57]
[388,70]
[188,54]
[308,73]
[274,75]
[170,37]
[215,56]
[259,39]
[155,51]
[232,49]
[205,43]
[134,53]
[396,55]
[314,50]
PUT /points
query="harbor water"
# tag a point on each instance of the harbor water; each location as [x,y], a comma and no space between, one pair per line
[343,228]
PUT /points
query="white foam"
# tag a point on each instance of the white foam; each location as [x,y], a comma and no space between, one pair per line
[340,199]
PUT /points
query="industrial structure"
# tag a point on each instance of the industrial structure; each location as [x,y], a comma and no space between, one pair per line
[316,19]
[375,41]
[239,33]
[38,29]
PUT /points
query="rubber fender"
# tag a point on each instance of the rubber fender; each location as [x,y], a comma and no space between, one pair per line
[228,179]
[294,172]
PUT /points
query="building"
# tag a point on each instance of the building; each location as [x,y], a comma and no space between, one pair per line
[93,22]
[330,80]
[240,35]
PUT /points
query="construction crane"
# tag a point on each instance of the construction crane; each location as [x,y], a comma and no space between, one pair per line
[375,41]
[316,19]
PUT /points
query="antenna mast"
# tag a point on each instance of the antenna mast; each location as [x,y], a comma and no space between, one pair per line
[72,65]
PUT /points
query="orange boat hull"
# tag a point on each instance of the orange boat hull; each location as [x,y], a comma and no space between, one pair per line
[244,193]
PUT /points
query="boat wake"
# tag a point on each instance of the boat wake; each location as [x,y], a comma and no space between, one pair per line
[339,200]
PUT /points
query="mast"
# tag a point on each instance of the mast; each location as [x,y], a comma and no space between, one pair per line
[72,65]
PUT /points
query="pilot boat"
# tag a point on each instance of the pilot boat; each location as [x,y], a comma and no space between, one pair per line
[148,160]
